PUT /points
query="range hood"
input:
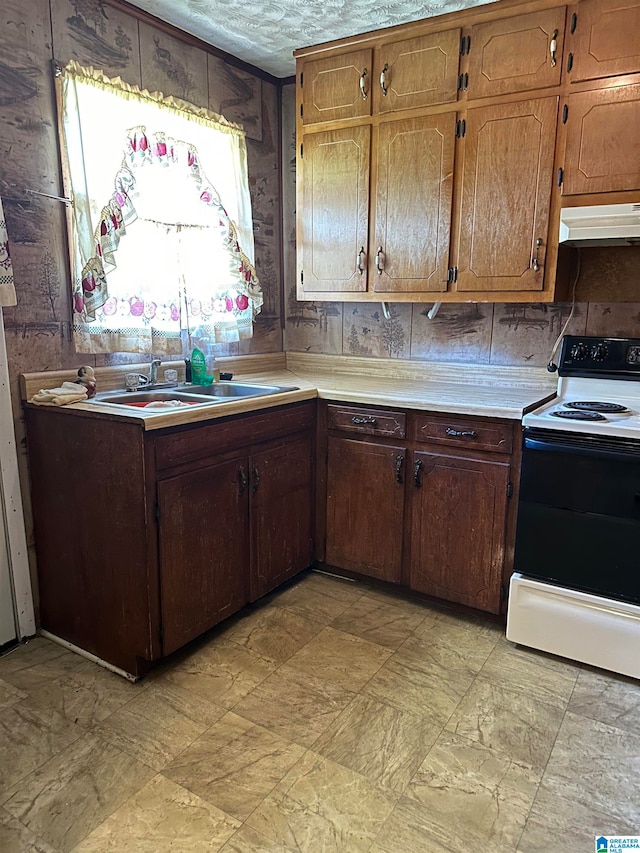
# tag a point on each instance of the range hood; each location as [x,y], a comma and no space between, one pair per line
[602,225]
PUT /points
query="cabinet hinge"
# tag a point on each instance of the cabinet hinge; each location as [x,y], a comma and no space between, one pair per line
[569,62]
[156,513]
[301,150]
[463,82]
[465,45]
[301,77]
[574,21]
[503,592]
[452,275]
[461,128]
[509,489]
[560,176]
[565,113]
[301,110]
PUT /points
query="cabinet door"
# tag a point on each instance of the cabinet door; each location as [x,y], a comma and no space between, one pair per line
[506,189]
[337,87]
[458,529]
[413,205]
[204,549]
[417,72]
[516,54]
[281,513]
[333,221]
[605,39]
[603,141]
[365,507]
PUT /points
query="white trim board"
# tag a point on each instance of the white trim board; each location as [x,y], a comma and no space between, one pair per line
[11,500]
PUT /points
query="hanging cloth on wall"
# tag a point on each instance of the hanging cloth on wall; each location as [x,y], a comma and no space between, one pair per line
[7,289]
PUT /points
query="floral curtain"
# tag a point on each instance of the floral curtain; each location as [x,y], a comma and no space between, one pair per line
[156,253]
[7,289]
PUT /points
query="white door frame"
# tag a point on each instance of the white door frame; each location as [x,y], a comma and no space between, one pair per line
[11,504]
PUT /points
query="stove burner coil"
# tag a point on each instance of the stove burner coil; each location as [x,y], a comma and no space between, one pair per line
[581,415]
[586,405]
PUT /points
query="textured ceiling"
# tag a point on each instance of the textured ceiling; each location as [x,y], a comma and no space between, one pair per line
[266,33]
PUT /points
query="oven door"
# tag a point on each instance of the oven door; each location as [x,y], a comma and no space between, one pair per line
[579,512]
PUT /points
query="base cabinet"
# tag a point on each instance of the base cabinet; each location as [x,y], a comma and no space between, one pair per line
[422,500]
[179,529]
[365,507]
[203,535]
[459,509]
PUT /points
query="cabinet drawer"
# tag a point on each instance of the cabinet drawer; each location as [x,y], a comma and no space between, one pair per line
[200,441]
[367,421]
[457,431]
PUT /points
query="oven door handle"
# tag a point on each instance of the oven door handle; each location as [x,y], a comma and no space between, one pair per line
[579,449]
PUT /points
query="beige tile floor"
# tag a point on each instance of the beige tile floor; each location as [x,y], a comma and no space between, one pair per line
[331,717]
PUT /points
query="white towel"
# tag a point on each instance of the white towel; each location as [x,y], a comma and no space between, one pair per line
[68,392]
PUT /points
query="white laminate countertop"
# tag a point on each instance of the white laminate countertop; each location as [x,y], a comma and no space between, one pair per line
[481,391]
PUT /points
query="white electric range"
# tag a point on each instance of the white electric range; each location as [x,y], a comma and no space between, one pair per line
[575,591]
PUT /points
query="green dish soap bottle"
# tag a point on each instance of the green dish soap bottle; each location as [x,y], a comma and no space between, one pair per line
[199,374]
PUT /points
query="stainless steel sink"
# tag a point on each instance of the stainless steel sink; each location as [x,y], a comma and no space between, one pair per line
[149,395]
[195,395]
[229,389]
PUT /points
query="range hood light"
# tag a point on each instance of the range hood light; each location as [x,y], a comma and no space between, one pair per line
[601,225]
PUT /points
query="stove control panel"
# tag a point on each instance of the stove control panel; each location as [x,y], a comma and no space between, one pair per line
[587,356]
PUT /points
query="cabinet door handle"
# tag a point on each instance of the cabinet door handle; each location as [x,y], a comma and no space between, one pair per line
[380,260]
[356,420]
[360,260]
[383,79]
[242,480]
[363,85]
[461,433]
[399,464]
[535,262]
[417,481]
[553,47]
[256,479]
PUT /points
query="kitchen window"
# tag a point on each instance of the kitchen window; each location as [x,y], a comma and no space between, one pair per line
[160,224]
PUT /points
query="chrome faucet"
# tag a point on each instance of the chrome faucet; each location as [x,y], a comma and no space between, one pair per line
[139,380]
[152,379]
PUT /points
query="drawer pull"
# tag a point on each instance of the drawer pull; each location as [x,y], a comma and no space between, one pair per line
[242,480]
[356,420]
[461,433]
[256,480]
[380,260]
[359,260]
[417,481]
[363,86]
[399,464]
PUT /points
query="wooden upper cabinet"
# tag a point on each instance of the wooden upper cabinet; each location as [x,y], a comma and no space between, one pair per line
[603,141]
[337,87]
[506,189]
[604,39]
[458,528]
[417,72]
[332,236]
[516,54]
[413,205]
